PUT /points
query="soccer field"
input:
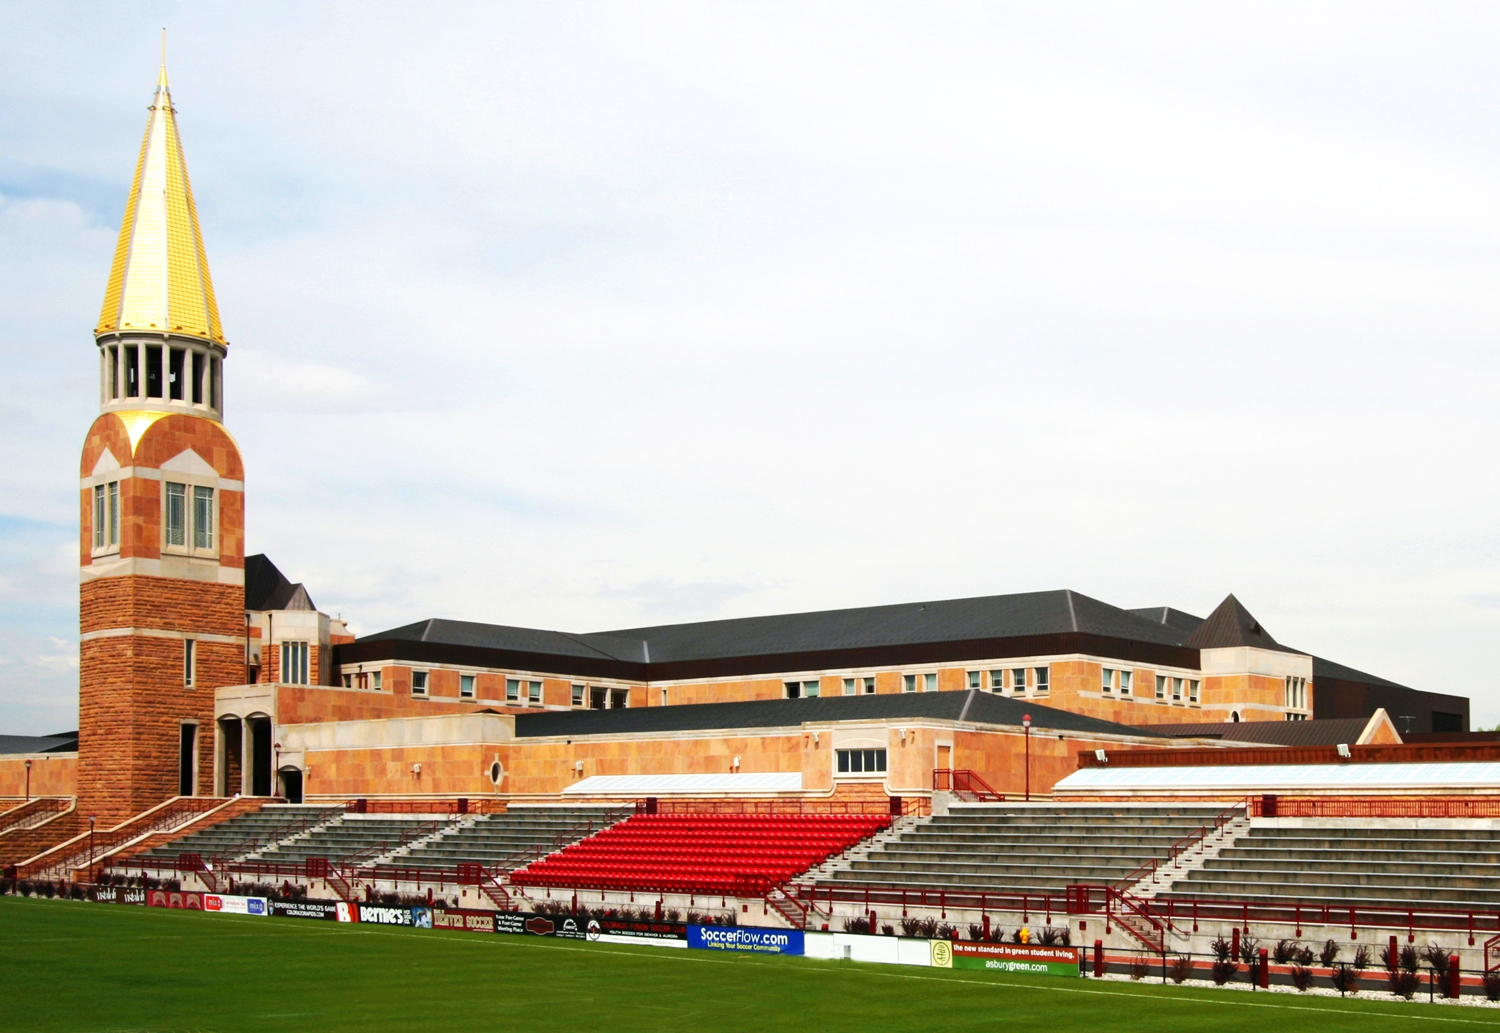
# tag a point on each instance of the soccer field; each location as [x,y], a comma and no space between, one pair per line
[81,967]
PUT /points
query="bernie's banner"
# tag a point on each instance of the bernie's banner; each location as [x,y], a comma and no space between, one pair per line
[1015,957]
[749,941]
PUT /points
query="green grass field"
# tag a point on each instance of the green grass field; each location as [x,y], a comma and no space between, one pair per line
[79,968]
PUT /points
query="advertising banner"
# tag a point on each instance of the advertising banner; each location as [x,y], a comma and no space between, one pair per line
[567,927]
[324,909]
[386,914]
[174,898]
[231,905]
[345,912]
[467,919]
[1015,957]
[624,930]
[752,941]
[119,895]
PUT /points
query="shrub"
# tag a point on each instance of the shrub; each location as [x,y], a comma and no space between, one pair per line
[976,932]
[1329,954]
[1224,970]
[945,932]
[75,892]
[670,914]
[1055,936]
[728,918]
[887,930]
[1390,957]
[1346,980]
[1249,950]
[1436,958]
[1181,968]
[1221,948]
[1492,985]
[857,925]
[694,918]
[1284,951]
[1140,968]
[1402,983]
[1409,960]
[1304,956]
[1362,957]
[1302,977]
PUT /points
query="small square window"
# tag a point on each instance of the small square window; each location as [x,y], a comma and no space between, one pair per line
[1192,692]
[534,693]
[793,689]
[578,696]
[1040,678]
[465,686]
[419,683]
[1161,686]
[1018,680]
[974,679]
[1125,683]
[931,680]
[909,683]
[375,680]
[1108,681]
[997,681]
[810,689]
[848,686]
[1177,690]
[512,690]
[869,686]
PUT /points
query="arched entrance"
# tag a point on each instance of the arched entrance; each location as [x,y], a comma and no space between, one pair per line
[291,784]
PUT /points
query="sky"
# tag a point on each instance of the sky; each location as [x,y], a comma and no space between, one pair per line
[595,316]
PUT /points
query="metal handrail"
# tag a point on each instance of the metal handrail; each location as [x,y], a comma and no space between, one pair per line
[965,782]
[23,816]
[1181,846]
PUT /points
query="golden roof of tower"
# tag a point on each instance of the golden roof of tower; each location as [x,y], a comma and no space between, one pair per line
[159,281]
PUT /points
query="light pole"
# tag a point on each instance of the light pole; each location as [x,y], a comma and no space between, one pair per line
[28,780]
[1026,724]
[278,768]
[91,849]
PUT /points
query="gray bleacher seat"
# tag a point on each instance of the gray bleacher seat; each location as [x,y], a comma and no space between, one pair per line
[232,839]
[495,838]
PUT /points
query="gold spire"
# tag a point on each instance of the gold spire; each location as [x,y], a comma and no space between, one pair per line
[159,281]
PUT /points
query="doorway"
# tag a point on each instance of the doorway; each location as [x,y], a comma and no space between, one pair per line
[944,757]
[291,785]
[187,760]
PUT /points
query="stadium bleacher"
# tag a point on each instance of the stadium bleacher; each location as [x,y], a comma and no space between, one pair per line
[1024,849]
[493,839]
[702,853]
[1352,862]
[243,834]
[352,835]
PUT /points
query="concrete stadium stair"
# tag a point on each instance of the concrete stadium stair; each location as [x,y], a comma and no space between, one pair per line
[515,836]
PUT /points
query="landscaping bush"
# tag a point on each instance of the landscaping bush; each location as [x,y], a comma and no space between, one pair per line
[1302,977]
[1140,968]
[1055,936]
[1362,957]
[1249,950]
[945,932]
[1284,951]
[1492,985]
[1329,954]
[1224,970]
[1221,948]
[670,914]
[857,925]
[1346,980]
[976,932]
[1402,983]
[1409,959]
[1436,958]
[887,930]
[1305,956]
[1181,968]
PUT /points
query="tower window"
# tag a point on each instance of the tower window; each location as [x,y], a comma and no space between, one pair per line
[189,661]
[203,517]
[98,516]
[153,371]
[176,523]
[114,370]
[132,371]
[175,378]
[114,513]
[294,664]
[197,378]
[213,383]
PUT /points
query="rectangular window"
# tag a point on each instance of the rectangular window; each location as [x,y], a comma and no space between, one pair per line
[849,687]
[175,376]
[1125,683]
[1018,680]
[213,383]
[1161,686]
[419,683]
[811,689]
[860,762]
[375,680]
[114,371]
[931,680]
[348,681]
[909,683]
[975,679]
[1176,690]
[176,522]
[512,690]
[132,371]
[997,681]
[294,663]
[153,371]
[203,517]
[578,695]
[197,378]
[98,516]
[1192,692]
[114,512]
[1041,676]
[534,693]
[793,689]
[869,686]
[465,686]
[1108,680]
[188,658]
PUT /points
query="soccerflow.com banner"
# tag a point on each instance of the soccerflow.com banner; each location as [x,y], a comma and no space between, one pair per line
[751,941]
[1015,957]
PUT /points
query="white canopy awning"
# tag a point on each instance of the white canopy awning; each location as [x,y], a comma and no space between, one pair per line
[1285,778]
[666,785]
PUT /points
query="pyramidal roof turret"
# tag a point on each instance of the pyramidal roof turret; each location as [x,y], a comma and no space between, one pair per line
[1231,625]
[159,283]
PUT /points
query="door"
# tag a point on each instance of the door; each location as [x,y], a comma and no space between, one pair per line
[187,761]
[945,758]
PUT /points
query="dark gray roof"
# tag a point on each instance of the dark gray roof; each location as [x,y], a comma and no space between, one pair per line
[62,742]
[266,587]
[1328,669]
[520,640]
[969,705]
[1326,732]
[946,620]
[1231,625]
[1178,620]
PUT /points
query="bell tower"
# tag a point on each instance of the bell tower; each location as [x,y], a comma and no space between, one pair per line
[161,550]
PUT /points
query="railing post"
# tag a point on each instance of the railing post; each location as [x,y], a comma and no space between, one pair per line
[1099,958]
[1411,930]
[1195,916]
[1299,921]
